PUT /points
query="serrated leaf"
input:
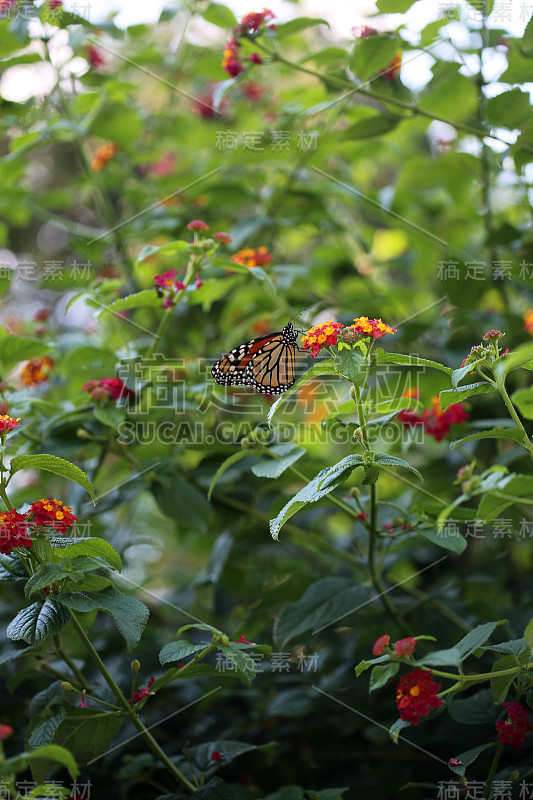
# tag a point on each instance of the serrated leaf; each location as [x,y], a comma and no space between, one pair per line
[384,459]
[441,658]
[56,465]
[477,637]
[496,433]
[325,367]
[38,621]
[453,540]
[14,349]
[382,357]
[176,651]
[91,546]
[47,574]
[11,567]
[376,125]
[352,364]
[56,754]
[44,731]
[311,494]
[450,396]
[461,372]
[129,613]
[275,467]
[468,757]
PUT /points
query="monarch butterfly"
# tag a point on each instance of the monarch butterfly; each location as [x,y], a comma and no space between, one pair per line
[267,363]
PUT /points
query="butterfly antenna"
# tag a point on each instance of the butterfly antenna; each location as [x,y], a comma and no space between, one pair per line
[297,314]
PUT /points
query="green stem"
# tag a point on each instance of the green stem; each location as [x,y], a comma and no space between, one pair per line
[165,319]
[525,443]
[66,658]
[492,771]
[343,83]
[481,676]
[127,709]
[5,498]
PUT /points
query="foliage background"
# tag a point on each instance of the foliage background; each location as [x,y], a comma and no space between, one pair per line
[363,224]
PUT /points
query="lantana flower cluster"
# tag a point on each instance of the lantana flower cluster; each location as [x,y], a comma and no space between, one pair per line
[167,284]
[36,371]
[106,389]
[417,695]
[140,694]
[250,257]
[14,527]
[250,26]
[403,647]
[330,333]
[436,422]
[487,351]
[102,155]
[514,728]
[8,424]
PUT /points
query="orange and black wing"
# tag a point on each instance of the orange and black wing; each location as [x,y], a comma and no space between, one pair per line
[267,364]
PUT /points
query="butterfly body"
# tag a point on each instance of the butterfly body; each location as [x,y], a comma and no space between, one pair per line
[268,363]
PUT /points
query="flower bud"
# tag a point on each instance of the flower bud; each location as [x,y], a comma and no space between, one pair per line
[352,392]
[397,522]
[67,686]
[245,443]
[354,492]
[358,434]
[135,665]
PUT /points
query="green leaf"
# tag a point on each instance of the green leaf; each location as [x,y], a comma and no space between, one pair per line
[477,637]
[450,396]
[377,125]
[275,467]
[14,349]
[333,476]
[298,25]
[47,574]
[44,731]
[501,684]
[351,363]
[384,459]
[170,249]
[245,666]
[461,372]
[382,674]
[450,657]
[453,541]
[11,568]
[523,400]
[508,109]
[382,357]
[53,695]
[38,621]
[117,123]
[325,367]
[87,732]
[177,651]
[53,464]
[468,757]
[322,603]
[232,459]
[394,6]
[478,709]
[373,54]
[521,358]
[528,635]
[496,433]
[55,753]
[90,546]
[219,15]
[109,415]
[129,613]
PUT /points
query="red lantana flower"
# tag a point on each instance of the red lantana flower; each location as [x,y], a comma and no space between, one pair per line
[53,513]
[7,424]
[380,644]
[242,640]
[513,729]
[436,422]
[139,694]
[416,695]
[168,287]
[197,225]
[230,61]
[404,647]
[325,334]
[5,731]
[107,389]
[13,531]
[251,22]
[222,237]
[84,703]
[216,756]
[94,57]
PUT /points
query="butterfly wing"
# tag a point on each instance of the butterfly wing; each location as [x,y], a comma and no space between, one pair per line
[267,363]
[273,369]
